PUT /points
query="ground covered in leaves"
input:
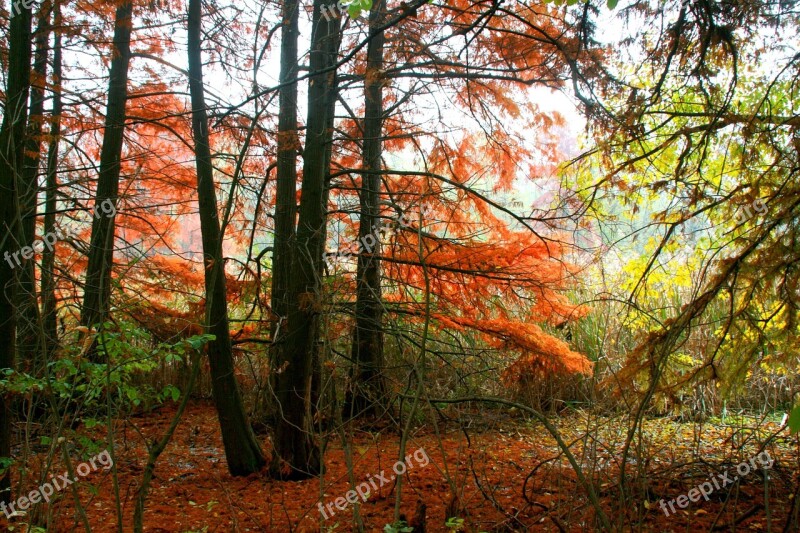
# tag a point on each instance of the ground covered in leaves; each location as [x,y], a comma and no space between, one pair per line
[502,472]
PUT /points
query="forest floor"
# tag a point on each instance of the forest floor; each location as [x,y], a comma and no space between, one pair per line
[491,456]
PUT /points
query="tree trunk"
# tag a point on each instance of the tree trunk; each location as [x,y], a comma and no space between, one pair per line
[317,399]
[241,448]
[12,133]
[97,293]
[366,388]
[28,349]
[286,194]
[296,454]
[50,204]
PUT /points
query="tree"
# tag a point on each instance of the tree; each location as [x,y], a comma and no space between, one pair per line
[366,385]
[12,143]
[97,291]
[29,329]
[286,185]
[296,455]
[241,448]
[49,312]
[483,258]
[714,147]
[705,145]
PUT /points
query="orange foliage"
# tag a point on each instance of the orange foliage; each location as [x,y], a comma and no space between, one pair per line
[541,353]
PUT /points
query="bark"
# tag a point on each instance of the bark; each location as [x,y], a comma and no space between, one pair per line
[28,340]
[12,133]
[97,293]
[366,386]
[48,254]
[296,454]
[241,448]
[286,194]
[316,378]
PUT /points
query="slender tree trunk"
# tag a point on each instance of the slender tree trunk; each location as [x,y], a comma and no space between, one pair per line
[288,143]
[50,205]
[96,296]
[296,454]
[286,194]
[12,143]
[316,378]
[241,448]
[366,388]
[27,302]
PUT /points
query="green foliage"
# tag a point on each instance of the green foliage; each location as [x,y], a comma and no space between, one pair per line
[127,354]
[127,351]
[355,8]
[454,523]
[794,420]
[171,392]
[5,464]
[398,527]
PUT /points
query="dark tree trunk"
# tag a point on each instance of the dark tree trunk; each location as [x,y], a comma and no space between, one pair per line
[296,454]
[28,338]
[12,143]
[286,194]
[97,293]
[241,448]
[316,379]
[366,388]
[49,254]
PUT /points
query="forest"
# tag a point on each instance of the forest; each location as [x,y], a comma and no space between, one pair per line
[400,266]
